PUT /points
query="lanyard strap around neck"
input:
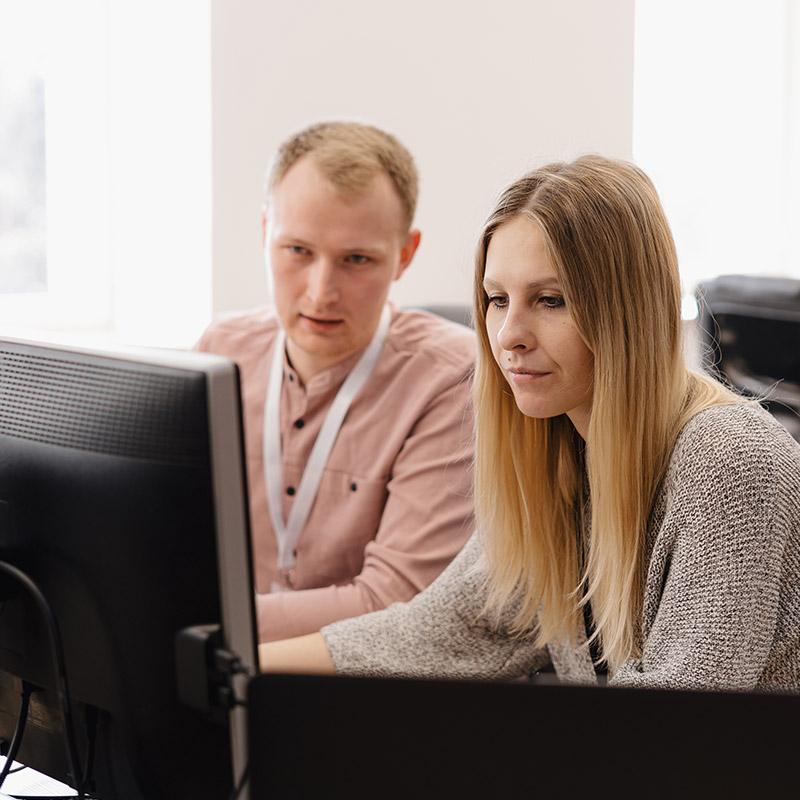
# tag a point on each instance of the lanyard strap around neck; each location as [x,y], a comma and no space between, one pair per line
[287,534]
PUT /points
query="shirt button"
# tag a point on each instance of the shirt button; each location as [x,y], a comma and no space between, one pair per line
[290,491]
[299,423]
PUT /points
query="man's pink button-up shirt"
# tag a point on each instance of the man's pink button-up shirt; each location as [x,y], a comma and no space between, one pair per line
[395,502]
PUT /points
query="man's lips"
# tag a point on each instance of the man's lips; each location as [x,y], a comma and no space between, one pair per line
[317,320]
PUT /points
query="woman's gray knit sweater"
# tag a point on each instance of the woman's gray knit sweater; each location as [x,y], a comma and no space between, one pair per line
[722,593]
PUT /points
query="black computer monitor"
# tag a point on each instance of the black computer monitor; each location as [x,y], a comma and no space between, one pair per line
[394,739]
[123,504]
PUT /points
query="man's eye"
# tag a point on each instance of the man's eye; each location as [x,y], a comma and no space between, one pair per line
[297,250]
[358,259]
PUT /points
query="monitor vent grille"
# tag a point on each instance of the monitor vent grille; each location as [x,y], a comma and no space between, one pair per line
[98,407]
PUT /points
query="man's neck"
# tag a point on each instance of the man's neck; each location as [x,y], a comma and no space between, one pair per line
[307,365]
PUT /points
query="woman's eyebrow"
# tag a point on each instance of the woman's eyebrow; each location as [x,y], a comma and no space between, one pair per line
[547,283]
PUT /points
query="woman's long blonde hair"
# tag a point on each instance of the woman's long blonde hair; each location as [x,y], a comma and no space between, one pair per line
[611,247]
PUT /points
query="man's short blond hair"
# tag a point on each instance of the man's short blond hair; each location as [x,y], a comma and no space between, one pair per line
[350,155]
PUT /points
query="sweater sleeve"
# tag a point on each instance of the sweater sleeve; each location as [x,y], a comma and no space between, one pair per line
[441,633]
[725,555]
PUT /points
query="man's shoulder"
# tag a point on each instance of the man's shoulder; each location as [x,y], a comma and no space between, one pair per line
[241,328]
[426,337]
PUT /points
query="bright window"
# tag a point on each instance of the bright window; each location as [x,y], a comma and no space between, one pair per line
[23,262]
[124,207]
[717,127]
[54,65]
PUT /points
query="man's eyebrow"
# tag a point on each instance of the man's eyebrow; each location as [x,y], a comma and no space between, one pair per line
[286,237]
[364,248]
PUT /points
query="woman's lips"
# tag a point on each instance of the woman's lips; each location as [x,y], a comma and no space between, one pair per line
[522,375]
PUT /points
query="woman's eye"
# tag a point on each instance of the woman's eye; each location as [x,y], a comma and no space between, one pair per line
[549,301]
[497,300]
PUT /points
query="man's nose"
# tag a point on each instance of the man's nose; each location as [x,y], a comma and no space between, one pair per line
[322,287]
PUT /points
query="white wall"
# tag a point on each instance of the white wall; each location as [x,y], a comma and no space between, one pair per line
[160,188]
[478,92]
[189,98]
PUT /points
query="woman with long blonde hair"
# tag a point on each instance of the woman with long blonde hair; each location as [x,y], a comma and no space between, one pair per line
[633,517]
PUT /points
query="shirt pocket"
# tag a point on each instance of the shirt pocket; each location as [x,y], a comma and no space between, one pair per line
[345,517]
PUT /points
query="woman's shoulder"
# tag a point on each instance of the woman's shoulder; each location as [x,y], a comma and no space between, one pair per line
[736,441]
[738,424]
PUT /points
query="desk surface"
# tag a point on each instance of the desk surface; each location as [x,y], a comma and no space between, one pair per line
[30,782]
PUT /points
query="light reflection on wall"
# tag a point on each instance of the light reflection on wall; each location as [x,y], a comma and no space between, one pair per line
[23,263]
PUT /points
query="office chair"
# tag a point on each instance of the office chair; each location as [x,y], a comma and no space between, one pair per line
[749,330]
[455,312]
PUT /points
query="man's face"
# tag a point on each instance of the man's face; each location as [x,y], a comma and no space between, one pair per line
[332,260]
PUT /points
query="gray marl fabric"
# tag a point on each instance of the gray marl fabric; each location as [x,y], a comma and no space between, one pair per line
[722,594]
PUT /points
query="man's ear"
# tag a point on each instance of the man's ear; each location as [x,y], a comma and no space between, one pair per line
[407,252]
[263,227]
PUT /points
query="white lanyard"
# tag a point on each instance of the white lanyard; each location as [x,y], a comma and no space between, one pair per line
[288,534]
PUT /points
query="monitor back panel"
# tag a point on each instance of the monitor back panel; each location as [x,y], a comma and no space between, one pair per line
[315,736]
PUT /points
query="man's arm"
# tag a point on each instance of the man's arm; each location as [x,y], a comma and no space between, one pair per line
[426,520]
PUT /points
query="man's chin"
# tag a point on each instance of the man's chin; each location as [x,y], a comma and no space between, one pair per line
[328,341]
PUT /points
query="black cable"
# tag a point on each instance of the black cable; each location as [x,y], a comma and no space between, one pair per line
[3,750]
[62,688]
[19,730]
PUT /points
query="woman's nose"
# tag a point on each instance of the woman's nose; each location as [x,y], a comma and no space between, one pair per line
[516,332]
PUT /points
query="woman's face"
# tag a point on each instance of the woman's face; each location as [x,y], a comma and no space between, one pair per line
[534,341]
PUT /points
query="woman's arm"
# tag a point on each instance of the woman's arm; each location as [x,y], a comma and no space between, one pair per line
[304,654]
[443,632]
[722,607]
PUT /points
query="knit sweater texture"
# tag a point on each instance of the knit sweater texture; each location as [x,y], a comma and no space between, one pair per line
[721,606]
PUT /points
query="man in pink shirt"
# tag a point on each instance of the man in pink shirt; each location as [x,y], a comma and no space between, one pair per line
[358,427]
